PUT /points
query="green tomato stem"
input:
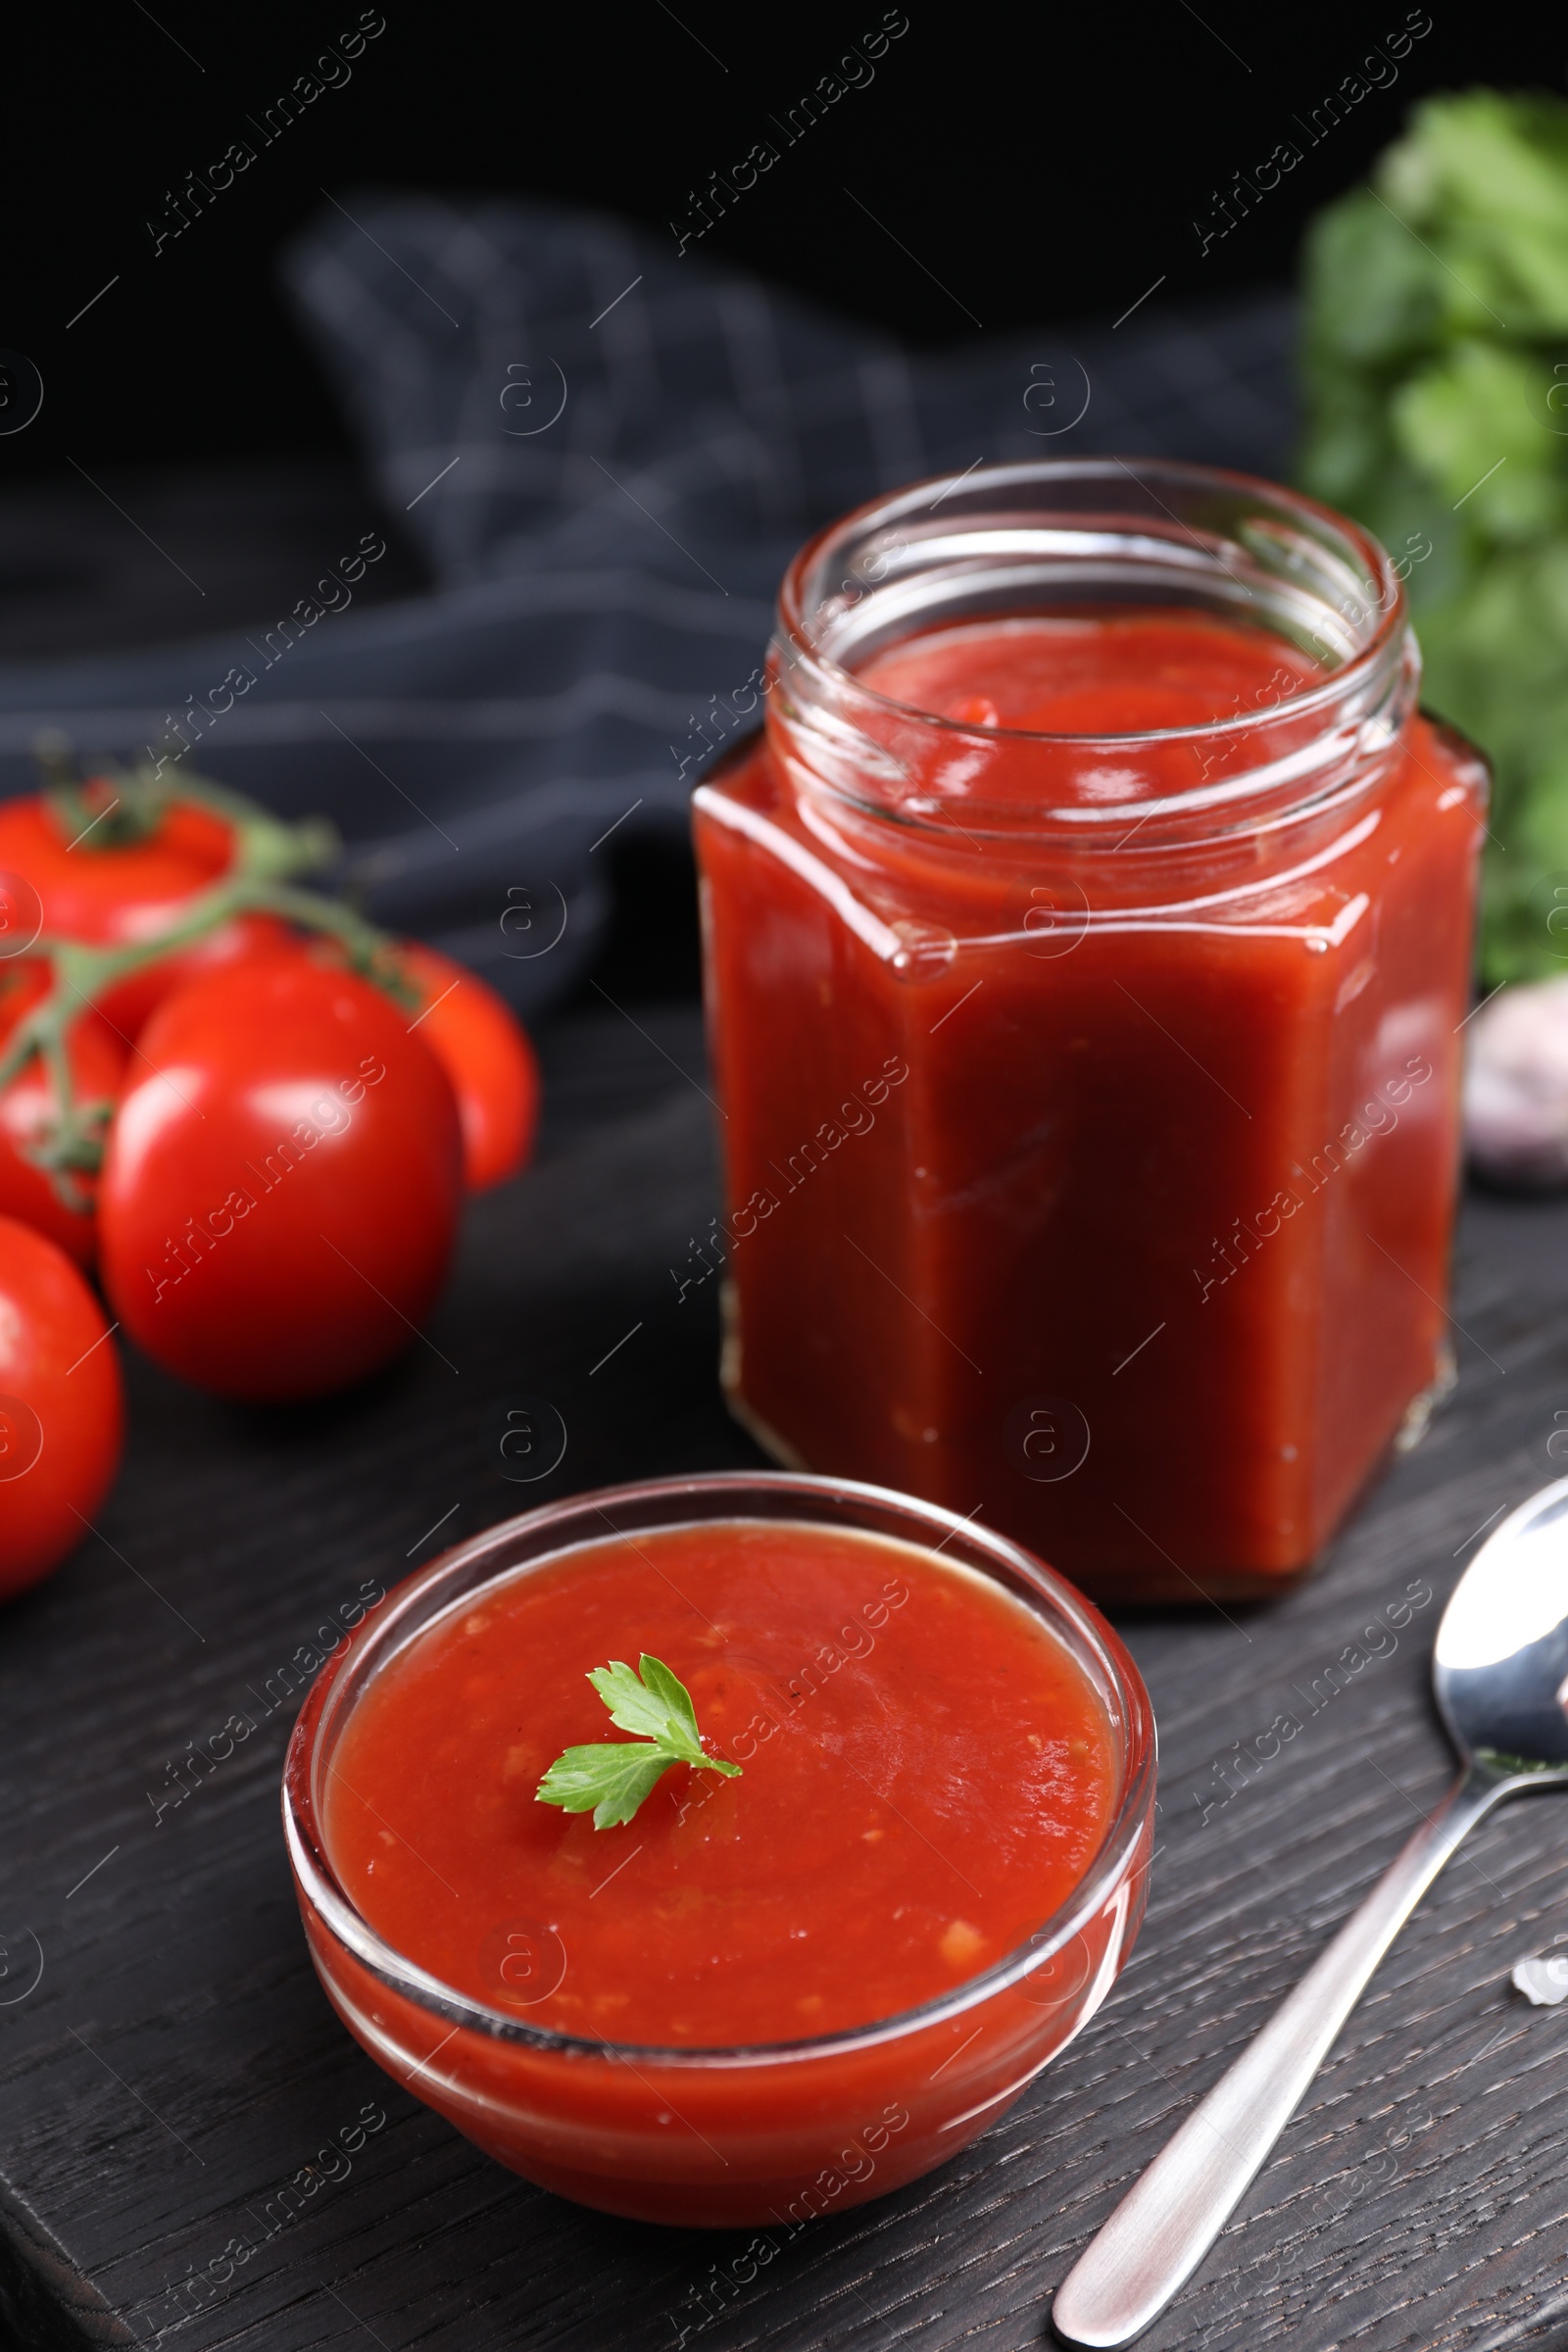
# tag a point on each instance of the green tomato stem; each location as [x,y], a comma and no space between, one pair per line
[269,856]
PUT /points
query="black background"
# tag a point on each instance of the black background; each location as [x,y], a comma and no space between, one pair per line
[1028,164]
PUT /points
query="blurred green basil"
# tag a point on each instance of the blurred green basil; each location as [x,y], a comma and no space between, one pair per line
[1436,364]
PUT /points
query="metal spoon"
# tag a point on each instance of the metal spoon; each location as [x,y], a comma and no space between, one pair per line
[1500,1680]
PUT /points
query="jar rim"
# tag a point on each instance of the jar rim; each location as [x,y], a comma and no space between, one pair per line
[801,649]
[488,1557]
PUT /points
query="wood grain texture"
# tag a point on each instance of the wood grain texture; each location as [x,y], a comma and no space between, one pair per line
[176,2066]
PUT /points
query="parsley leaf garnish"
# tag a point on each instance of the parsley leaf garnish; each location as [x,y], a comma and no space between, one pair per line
[613,1777]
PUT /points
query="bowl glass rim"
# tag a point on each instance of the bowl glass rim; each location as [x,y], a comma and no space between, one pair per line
[536,1536]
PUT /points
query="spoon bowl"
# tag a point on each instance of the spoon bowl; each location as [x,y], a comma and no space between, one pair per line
[1500,1667]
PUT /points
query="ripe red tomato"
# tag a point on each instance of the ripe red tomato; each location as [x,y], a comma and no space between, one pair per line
[27,1107]
[62,1417]
[282,1187]
[484,1050]
[112,896]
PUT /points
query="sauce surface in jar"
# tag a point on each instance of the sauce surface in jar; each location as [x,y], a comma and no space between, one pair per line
[926,1775]
[1101,673]
[1091,1161]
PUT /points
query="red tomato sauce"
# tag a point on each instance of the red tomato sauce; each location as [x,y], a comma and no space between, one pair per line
[926,1775]
[1104,674]
[1135,1237]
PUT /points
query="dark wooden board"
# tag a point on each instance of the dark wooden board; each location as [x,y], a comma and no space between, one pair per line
[175,2065]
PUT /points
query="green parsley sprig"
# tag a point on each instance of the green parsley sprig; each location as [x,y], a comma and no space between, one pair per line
[613,1777]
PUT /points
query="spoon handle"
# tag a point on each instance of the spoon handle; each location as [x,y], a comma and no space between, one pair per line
[1172,2215]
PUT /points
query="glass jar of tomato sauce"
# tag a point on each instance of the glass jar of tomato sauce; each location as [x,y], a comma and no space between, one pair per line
[1087,938]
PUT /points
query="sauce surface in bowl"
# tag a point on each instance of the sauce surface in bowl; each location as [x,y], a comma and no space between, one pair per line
[926,1775]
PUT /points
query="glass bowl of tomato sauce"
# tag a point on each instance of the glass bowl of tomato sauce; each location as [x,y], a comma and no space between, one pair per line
[772,1993]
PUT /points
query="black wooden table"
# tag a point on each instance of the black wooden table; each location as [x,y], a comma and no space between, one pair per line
[170,2068]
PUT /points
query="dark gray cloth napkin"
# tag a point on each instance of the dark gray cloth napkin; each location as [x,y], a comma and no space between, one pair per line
[608,453]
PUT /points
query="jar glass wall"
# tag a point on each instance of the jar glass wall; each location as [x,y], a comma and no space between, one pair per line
[1089,1077]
